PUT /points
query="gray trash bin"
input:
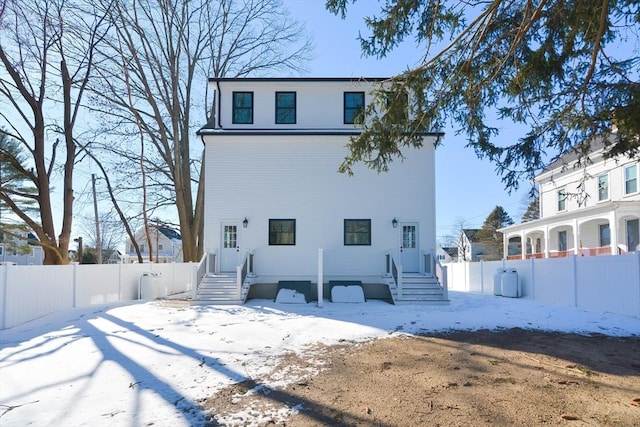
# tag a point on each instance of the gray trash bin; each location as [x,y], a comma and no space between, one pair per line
[497,281]
[510,286]
[150,286]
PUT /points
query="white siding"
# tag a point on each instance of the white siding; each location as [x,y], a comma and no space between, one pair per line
[296,177]
[570,179]
[319,104]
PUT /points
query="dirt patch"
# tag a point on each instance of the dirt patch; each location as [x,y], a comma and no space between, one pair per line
[480,378]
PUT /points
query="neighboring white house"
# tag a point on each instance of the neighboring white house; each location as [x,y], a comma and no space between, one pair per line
[22,251]
[166,245]
[469,247]
[272,152]
[446,254]
[603,223]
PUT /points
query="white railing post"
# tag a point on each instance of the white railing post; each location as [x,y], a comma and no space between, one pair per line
[320,277]
[239,281]
[5,285]
[194,282]
[445,280]
[399,284]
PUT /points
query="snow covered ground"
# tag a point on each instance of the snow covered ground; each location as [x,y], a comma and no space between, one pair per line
[151,363]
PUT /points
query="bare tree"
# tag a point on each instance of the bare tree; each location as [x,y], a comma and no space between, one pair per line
[153,85]
[47,50]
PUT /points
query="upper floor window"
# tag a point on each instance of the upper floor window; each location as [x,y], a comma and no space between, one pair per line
[242,107]
[631,179]
[285,107]
[603,187]
[397,106]
[282,231]
[357,232]
[353,107]
[562,200]
[160,248]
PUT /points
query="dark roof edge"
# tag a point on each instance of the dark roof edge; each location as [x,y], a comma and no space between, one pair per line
[244,132]
[298,79]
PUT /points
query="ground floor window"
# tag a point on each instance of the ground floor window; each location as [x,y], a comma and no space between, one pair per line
[562,240]
[633,235]
[605,235]
[357,232]
[282,232]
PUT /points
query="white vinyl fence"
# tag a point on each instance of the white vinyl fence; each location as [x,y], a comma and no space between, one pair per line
[599,283]
[31,291]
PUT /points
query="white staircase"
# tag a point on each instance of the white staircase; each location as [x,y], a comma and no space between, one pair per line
[220,288]
[417,288]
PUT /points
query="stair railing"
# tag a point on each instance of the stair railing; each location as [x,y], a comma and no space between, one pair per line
[199,271]
[241,273]
[441,275]
[394,270]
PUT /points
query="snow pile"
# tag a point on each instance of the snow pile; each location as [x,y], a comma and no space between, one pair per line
[290,296]
[347,294]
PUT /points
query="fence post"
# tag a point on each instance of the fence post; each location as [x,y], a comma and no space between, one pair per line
[482,276]
[75,285]
[320,277]
[5,286]
[533,278]
[638,281]
[575,280]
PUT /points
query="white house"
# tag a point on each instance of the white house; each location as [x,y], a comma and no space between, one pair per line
[166,245]
[585,209]
[469,247]
[272,151]
[22,250]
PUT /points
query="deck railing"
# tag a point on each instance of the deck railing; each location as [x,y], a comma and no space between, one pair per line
[199,273]
[441,275]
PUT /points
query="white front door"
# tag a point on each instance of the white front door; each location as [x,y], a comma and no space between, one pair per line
[409,251]
[230,247]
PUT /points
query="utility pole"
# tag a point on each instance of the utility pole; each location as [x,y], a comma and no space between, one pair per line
[79,241]
[95,210]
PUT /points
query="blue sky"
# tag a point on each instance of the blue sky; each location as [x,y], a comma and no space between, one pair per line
[467,188]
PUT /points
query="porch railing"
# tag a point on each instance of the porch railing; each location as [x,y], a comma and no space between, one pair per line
[394,270]
[441,275]
[198,273]
[242,271]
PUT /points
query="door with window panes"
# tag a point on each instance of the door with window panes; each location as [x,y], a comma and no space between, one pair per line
[409,250]
[230,247]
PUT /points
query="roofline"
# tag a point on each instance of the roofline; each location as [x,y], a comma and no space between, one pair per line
[302,132]
[298,79]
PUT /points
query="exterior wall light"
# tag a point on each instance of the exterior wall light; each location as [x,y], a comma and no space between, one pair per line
[394,222]
[245,222]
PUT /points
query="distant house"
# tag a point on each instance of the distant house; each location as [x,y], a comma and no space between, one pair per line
[469,247]
[601,220]
[446,254]
[22,250]
[166,245]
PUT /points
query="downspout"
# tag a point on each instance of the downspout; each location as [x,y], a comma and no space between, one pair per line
[218,109]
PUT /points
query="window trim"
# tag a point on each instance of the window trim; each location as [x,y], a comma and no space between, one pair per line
[294,108]
[603,175]
[368,232]
[235,108]
[357,110]
[272,242]
[561,192]
[625,180]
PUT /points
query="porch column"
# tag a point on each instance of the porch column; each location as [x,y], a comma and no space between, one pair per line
[545,237]
[576,237]
[613,232]
[523,245]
